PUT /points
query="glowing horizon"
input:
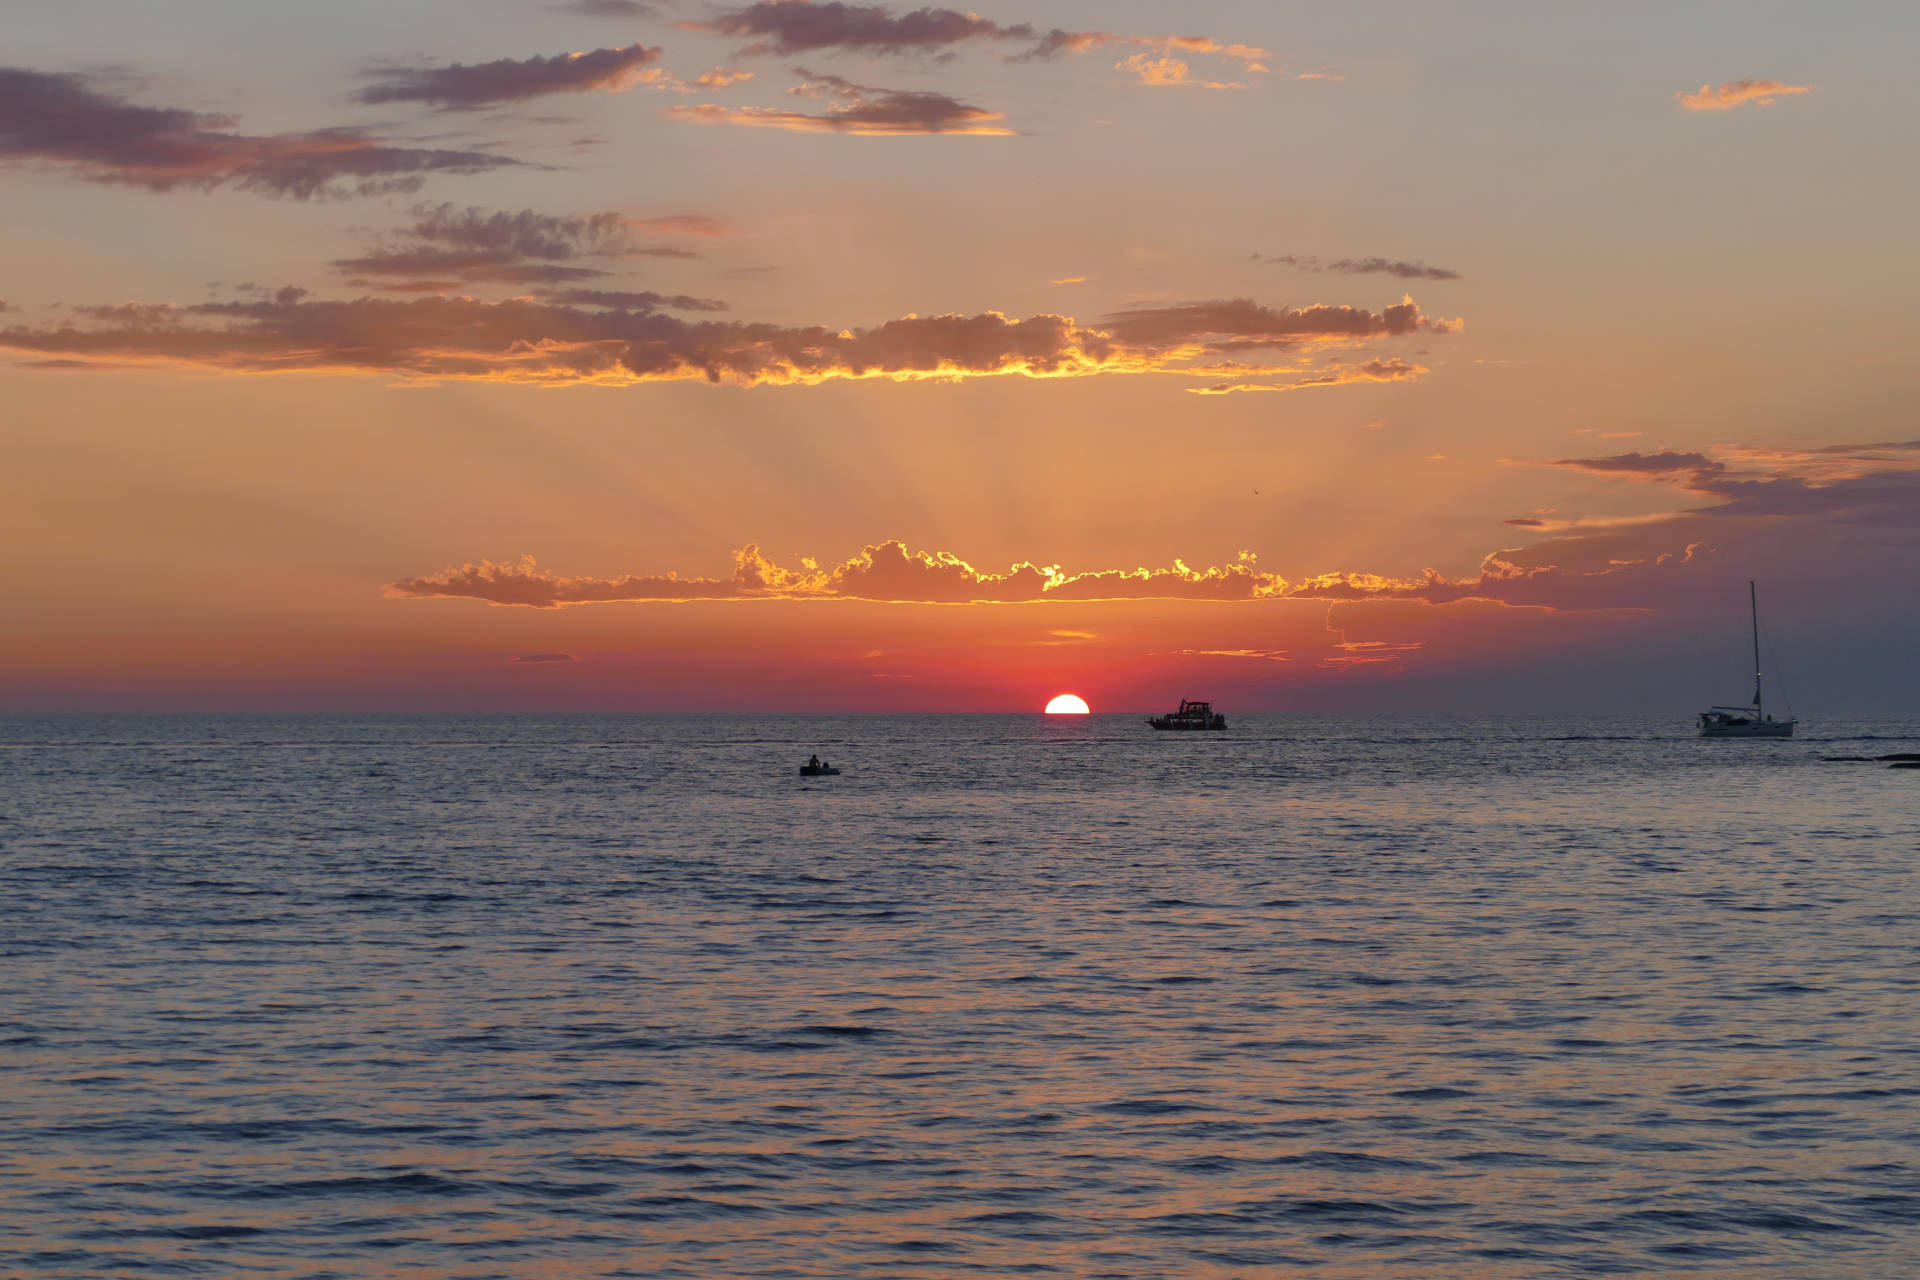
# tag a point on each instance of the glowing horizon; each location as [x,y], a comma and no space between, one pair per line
[598,356]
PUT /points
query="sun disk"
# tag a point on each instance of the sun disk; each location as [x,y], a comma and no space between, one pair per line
[1068,704]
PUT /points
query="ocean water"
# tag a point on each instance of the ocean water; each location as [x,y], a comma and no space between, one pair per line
[558,997]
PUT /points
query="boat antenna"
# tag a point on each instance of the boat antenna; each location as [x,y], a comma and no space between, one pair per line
[1753,602]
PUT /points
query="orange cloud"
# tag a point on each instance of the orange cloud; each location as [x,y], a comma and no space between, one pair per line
[1166,70]
[682,224]
[722,78]
[1369,653]
[890,572]
[600,337]
[1251,59]
[1739,93]
[1259,655]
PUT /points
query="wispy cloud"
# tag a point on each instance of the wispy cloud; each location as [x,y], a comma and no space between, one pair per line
[608,8]
[1739,93]
[1393,370]
[682,224]
[446,244]
[1360,266]
[459,87]
[1251,59]
[59,120]
[1369,653]
[787,27]
[632,300]
[857,109]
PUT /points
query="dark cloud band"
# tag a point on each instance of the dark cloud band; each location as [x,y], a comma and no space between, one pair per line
[556,342]
[60,120]
[485,84]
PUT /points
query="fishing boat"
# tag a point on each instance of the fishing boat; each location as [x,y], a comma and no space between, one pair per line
[1191,715]
[1749,721]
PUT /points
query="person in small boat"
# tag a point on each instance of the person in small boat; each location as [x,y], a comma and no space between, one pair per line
[813,762]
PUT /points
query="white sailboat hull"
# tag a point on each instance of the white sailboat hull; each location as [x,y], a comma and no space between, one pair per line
[1752,729]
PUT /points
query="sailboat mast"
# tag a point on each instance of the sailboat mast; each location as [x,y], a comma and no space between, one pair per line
[1753,603]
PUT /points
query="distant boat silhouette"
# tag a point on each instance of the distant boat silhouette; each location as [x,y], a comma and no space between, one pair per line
[1749,721]
[1191,715]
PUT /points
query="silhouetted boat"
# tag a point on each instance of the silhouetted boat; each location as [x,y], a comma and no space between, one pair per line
[1191,715]
[1749,721]
[815,767]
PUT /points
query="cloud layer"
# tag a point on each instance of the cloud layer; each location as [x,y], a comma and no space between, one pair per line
[1876,483]
[590,340]
[59,120]
[890,572]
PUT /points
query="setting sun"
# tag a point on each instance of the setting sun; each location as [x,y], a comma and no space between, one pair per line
[1068,704]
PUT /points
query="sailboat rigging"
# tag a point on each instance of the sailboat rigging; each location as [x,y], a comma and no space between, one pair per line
[1749,721]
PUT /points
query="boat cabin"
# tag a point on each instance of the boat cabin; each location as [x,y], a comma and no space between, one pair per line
[1193,714]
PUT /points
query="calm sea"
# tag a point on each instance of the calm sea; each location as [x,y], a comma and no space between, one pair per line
[557,997]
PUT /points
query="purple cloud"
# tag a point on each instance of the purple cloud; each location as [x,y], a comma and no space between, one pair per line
[57,119]
[459,87]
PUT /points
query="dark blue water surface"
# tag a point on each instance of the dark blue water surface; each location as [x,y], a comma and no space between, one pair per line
[555,997]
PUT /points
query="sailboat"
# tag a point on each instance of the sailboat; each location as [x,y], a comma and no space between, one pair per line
[1750,721]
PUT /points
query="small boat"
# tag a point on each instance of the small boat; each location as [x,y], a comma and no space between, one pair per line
[1750,721]
[818,769]
[1191,715]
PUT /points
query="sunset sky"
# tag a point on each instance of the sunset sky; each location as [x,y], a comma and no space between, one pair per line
[504,355]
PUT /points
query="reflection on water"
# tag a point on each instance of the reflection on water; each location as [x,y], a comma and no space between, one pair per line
[545,997]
